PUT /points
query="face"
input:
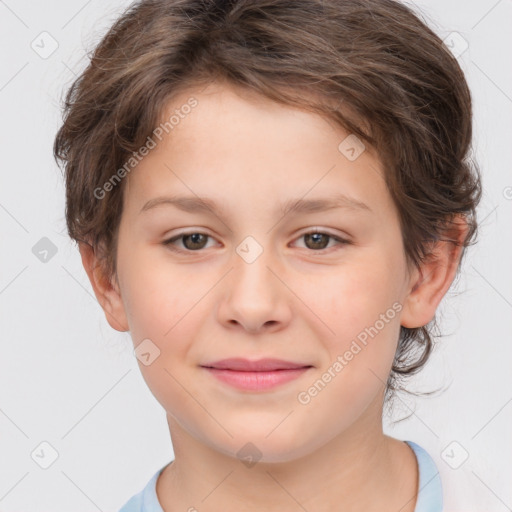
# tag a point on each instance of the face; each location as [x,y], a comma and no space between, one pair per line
[321,286]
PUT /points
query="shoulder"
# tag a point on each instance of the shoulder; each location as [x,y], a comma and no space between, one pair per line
[146,500]
[430,491]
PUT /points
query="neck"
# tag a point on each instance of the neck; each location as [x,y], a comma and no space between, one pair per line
[358,470]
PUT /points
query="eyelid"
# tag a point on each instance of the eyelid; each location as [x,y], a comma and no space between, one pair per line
[169,241]
[322,231]
[341,240]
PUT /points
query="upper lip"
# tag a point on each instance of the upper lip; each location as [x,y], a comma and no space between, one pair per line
[260,365]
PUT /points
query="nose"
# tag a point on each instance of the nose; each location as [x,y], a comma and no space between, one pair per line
[253,297]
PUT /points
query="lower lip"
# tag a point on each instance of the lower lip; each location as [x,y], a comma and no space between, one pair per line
[256,381]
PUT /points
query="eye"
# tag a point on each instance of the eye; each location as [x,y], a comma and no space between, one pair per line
[319,240]
[193,241]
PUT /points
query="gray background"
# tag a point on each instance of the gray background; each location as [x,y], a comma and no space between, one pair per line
[68,379]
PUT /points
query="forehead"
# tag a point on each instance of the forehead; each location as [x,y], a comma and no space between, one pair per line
[236,141]
[225,113]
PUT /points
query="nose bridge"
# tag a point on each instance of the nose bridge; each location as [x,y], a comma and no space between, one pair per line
[252,262]
[255,297]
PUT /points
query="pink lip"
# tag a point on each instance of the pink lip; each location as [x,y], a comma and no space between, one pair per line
[261,365]
[255,375]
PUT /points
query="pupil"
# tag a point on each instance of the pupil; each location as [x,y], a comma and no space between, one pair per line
[317,239]
[195,237]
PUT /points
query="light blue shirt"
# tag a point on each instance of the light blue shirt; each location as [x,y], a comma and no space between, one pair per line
[430,495]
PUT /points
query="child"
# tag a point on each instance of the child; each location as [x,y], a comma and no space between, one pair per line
[273,198]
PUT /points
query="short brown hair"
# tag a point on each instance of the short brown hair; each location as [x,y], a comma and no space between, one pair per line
[403,93]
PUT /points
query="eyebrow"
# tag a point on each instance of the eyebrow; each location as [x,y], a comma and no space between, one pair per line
[195,204]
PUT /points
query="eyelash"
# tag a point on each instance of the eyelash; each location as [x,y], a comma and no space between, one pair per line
[170,241]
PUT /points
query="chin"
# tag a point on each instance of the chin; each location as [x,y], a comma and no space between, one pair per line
[257,448]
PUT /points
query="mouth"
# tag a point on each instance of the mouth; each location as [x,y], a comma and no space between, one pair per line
[257,375]
[261,365]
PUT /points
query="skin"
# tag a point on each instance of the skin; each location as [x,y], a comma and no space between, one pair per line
[299,300]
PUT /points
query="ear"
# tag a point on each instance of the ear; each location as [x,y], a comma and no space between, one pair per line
[106,291]
[429,284]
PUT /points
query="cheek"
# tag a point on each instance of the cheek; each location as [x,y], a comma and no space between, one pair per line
[162,304]
[360,306]
[157,296]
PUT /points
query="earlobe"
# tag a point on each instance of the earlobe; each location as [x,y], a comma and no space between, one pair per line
[106,292]
[431,281]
